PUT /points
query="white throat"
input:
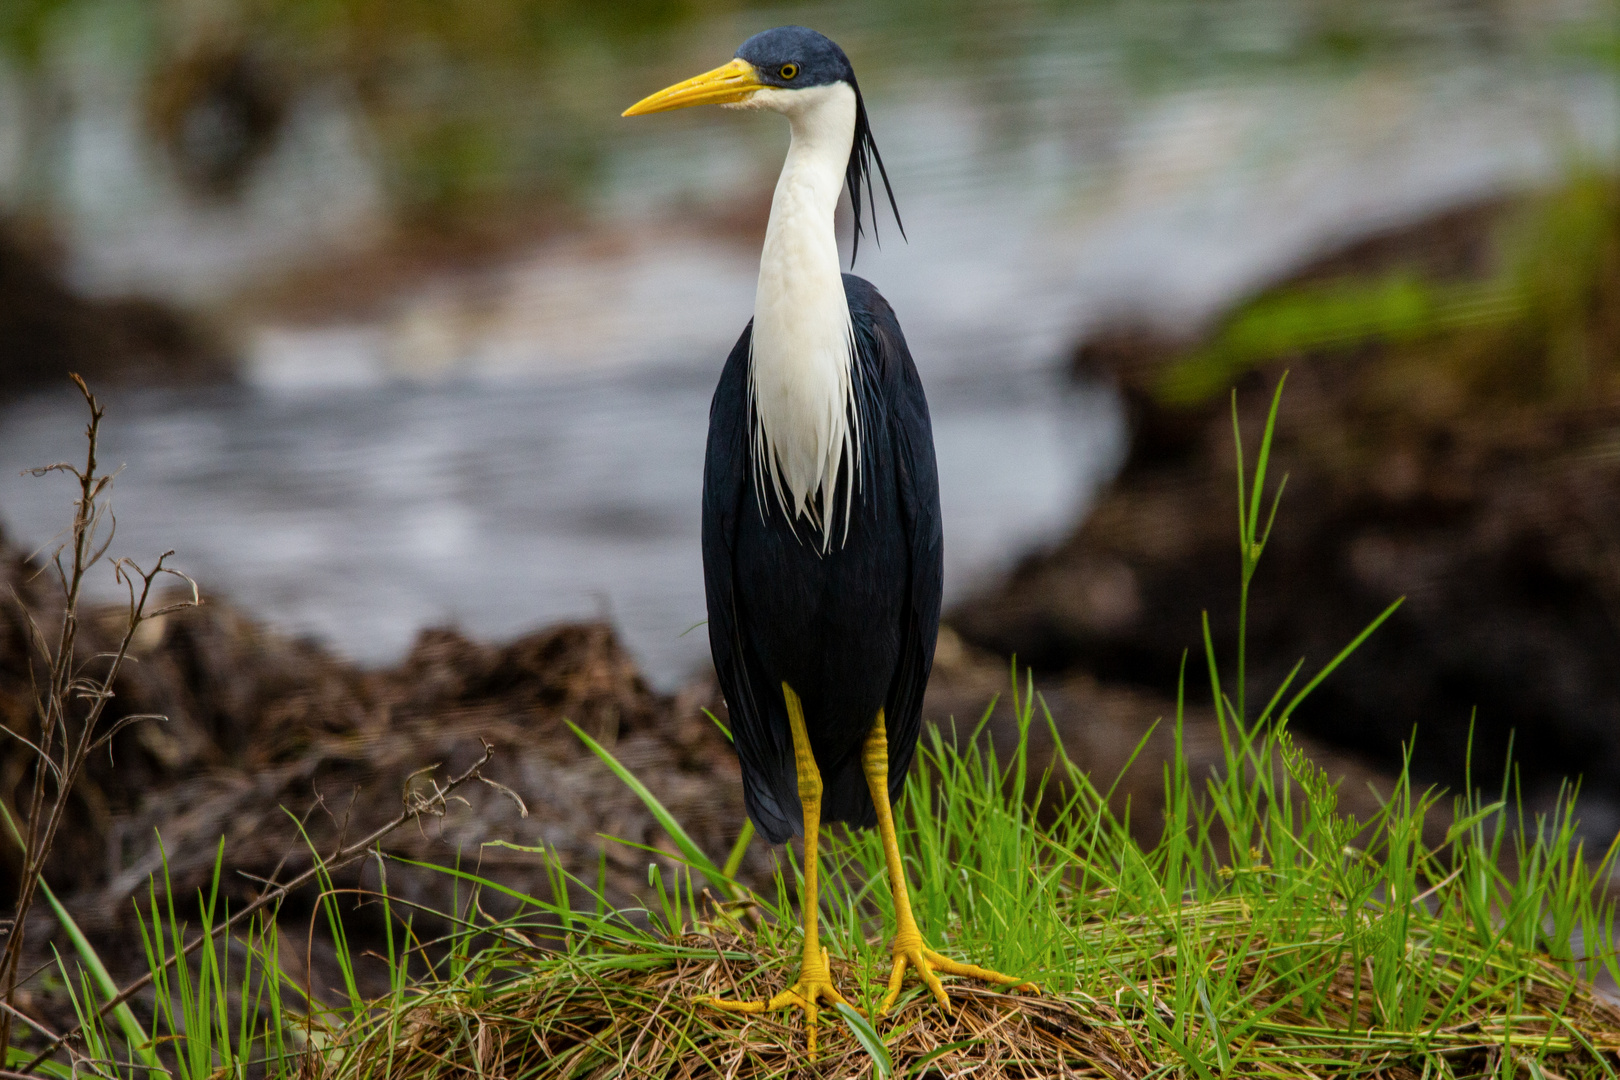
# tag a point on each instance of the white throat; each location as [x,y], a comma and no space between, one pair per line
[806,431]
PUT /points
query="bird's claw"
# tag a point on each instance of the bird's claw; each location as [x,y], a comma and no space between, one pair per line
[909,951]
[814,984]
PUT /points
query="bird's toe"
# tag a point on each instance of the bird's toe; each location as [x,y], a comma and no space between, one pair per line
[813,989]
[929,965]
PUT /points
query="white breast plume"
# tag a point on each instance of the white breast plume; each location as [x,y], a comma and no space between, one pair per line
[806,421]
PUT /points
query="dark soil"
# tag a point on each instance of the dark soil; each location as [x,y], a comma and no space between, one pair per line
[1496,514]
[263,733]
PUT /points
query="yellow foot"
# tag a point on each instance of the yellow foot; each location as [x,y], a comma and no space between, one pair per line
[815,983]
[909,951]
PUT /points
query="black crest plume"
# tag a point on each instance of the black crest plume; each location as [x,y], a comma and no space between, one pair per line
[862,153]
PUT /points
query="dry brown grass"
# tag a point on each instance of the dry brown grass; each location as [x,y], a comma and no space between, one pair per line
[581,1017]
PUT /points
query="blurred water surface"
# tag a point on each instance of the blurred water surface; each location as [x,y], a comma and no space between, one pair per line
[361,515]
[519,442]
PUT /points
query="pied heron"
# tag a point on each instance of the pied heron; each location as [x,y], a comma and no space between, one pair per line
[822,547]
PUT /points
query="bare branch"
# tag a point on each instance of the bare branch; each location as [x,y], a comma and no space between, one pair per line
[107,543]
[35,632]
[29,1020]
[53,705]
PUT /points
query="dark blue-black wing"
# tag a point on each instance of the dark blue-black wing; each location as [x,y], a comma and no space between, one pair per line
[763,748]
[893,375]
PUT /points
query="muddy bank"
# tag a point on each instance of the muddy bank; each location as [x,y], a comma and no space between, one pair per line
[1465,462]
[265,735]
[47,329]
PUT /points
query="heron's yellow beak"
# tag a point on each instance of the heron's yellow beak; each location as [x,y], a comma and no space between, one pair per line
[736,81]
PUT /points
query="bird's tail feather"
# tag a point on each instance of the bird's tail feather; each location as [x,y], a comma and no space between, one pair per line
[844,796]
[767,815]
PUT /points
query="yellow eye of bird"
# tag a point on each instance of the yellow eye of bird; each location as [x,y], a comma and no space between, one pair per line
[789,70]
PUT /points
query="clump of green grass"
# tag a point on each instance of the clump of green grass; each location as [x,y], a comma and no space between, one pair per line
[1264,934]
[1256,938]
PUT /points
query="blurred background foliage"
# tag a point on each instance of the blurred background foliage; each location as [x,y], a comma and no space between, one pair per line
[487,100]
[1543,328]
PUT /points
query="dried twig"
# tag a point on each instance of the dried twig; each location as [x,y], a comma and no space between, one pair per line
[71,704]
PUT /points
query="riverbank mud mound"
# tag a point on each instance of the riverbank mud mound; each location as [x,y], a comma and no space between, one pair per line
[1450,432]
[269,740]
[272,746]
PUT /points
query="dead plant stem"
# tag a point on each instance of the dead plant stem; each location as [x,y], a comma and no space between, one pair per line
[53,716]
[61,751]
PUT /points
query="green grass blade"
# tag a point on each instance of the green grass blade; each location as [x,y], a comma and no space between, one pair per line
[1344,654]
[870,1041]
[1262,461]
[140,1043]
[738,850]
[717,723]
[919,1066]
[688,847]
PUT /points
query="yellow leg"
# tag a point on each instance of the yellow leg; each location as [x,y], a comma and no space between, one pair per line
[815,980]
[909,949]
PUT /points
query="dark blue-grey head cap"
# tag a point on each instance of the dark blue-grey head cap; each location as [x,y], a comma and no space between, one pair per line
[795,57]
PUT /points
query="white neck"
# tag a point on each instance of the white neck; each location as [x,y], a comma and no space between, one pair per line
[806,433]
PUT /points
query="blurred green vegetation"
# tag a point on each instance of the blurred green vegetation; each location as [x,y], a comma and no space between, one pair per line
[1543,327]
[476,98]
[479,101]
[23,26]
